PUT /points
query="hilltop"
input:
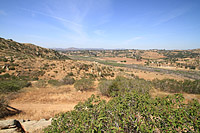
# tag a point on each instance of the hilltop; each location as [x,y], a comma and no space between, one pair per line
[8,47]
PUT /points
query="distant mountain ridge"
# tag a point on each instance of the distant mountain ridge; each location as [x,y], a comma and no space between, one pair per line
[8,47]
[76,49]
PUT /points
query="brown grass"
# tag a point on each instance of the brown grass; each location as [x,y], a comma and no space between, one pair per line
[188,97]
[38,103]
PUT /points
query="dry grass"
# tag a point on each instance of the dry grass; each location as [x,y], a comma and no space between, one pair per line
[153,75]
[152,55]
[38,103]
[188,97]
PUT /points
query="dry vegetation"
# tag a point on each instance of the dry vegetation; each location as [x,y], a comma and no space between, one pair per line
[37,103]
[52,76]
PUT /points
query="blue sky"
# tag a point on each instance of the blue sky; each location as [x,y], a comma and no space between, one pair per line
[135,24]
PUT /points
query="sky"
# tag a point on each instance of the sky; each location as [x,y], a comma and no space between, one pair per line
[129,24]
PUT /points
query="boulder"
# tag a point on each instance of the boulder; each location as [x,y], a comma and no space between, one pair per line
[6,123]
[14,126]
[11,130]
[26,126]
[32,126]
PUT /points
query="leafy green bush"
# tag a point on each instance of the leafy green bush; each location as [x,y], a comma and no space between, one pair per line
[84,84]
[67,80]
[130,112]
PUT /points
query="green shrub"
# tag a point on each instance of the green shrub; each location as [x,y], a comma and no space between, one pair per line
[12,68]
[174,86]
[130,112]
[56,71]
[13,85]
[5,76]
[2,70]
[5,60]
[104,87]
[70,74]
[68,80]
[119,84]
[55,82]
[41,84]
[84,84]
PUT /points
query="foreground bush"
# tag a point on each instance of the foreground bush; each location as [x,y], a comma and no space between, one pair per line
[84,84]
[130,112]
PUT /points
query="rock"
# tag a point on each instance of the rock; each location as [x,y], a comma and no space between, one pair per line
[50,119]
[6,123]
[32,126]
[11,130]
[14,126]
[21,120]
[26,126]
[42,120]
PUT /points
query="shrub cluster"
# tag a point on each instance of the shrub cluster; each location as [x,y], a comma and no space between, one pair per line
[55,82]
[119,84]
[130,112]
[174,86]
[41,83]
[84,84]
[13,85]
[68,80]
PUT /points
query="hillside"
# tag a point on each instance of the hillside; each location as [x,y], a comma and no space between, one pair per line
[8,47]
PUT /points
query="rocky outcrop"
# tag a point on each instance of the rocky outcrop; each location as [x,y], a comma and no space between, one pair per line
[28,126]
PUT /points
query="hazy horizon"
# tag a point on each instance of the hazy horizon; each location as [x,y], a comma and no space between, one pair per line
[108,24]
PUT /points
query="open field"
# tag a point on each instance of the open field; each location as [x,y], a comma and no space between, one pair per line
[38,103]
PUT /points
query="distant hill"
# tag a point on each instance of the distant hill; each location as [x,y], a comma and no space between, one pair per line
[77,49]
[8,47]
